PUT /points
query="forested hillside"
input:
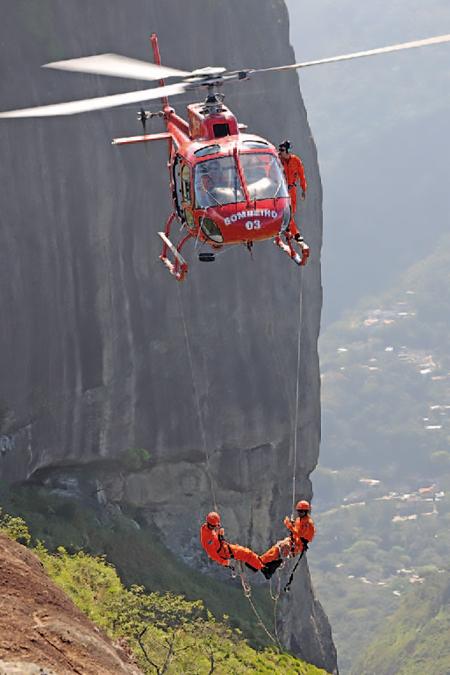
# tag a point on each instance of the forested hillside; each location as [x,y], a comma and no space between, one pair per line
[382,490]
[386,377]
[415,639]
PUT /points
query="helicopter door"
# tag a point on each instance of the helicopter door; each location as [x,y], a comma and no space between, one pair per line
[178,193]
[186,194]
[186,185]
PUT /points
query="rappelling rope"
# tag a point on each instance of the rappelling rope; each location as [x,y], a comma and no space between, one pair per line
[197,402]
[275,597]
[248,594]
[297,387]
[245,584]
[261,622]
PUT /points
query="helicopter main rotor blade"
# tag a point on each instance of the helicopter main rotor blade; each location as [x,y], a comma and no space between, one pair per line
[357,55]
[103,102]
[116,65]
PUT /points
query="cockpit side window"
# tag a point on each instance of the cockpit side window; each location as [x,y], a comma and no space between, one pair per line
[186,183]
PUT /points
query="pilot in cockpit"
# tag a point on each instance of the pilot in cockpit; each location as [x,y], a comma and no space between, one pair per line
[214,183]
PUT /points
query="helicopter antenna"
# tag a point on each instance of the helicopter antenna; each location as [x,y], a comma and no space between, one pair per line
[157,59]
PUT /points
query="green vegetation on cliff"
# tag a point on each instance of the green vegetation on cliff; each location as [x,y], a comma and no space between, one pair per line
[165,632]
[134,547]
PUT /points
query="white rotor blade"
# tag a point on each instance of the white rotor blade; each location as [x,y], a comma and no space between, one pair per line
[117,66]
[357,55]
[86,105]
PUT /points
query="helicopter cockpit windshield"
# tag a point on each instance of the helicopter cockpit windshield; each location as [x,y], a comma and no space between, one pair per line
[264,175]
[217,181]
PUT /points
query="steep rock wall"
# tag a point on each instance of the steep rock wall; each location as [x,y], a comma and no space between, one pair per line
[94,333]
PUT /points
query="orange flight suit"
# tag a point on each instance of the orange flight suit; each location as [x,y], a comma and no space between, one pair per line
[301,528]
[294,173]
[221,551]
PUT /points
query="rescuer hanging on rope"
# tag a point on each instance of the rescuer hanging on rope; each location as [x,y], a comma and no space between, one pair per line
[218,549]
[294,173]
[302,531]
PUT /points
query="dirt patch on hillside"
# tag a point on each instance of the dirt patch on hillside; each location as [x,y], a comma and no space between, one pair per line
[40,625]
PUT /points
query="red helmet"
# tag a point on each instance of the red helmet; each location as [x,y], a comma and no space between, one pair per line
[303,505]
[213,518]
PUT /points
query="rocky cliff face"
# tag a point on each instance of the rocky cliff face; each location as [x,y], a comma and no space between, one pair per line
[41,630]
[95,335]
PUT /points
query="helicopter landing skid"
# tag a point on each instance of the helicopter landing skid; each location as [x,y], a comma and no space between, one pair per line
[178,268]
[299,259]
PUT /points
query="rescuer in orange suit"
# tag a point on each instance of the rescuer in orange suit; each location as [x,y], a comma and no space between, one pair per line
[294,173]
[213,541]
[302,531]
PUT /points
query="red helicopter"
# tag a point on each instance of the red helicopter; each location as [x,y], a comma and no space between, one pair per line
[227,187]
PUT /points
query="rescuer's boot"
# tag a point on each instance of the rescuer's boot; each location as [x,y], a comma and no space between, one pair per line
[271,567]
